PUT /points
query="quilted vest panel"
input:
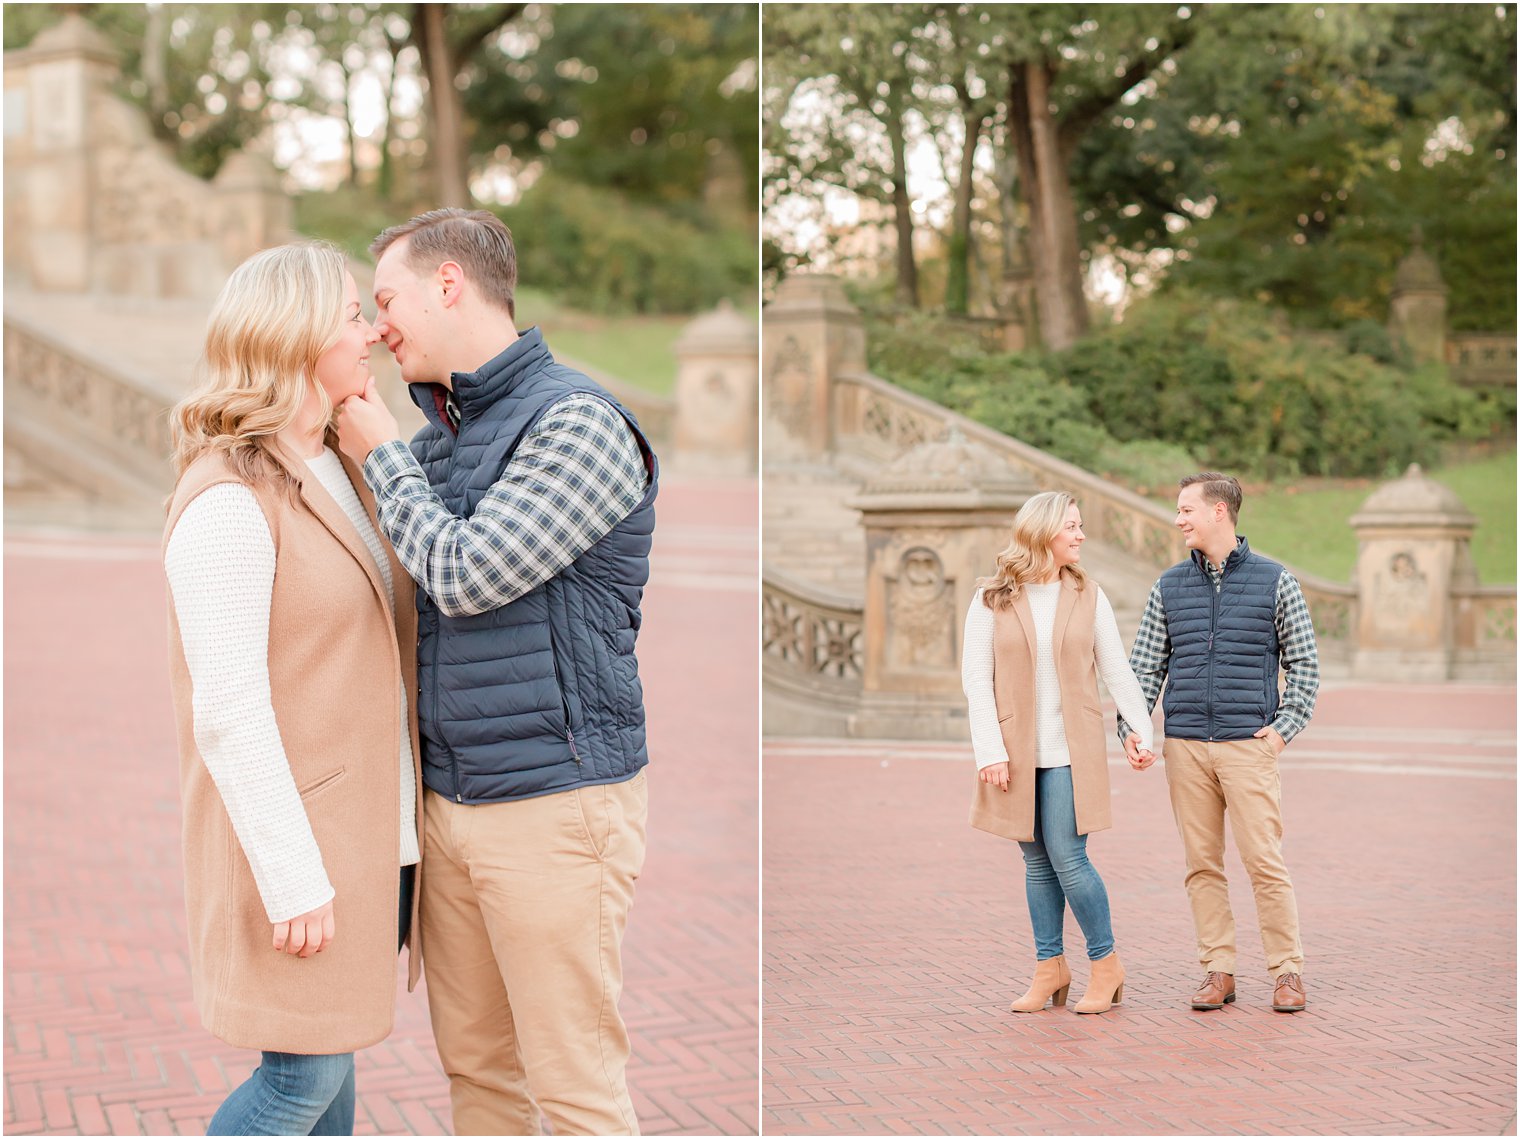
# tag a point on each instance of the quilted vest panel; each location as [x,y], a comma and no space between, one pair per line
[1222,674]
[542,694]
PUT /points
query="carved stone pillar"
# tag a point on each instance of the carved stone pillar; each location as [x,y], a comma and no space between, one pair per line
[812,333]
[256,212]
[67,69]
[1417,305]
[1414,537]
[717,394]
[935,520]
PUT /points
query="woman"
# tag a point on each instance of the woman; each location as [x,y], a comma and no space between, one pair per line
[1038,635]
[292,649]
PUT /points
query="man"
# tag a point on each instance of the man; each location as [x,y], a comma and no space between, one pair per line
[524,509]
[1215,629]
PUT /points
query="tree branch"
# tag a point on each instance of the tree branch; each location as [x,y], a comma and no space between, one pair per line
[1087,110]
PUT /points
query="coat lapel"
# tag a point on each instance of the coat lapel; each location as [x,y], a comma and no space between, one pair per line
[1064,606]
[406,608]
[1026,622]
[331,515]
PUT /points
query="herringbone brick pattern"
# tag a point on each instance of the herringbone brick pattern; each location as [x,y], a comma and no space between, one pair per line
[100,1035]
[895,936]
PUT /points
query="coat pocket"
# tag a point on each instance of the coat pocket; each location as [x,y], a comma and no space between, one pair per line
[322,783]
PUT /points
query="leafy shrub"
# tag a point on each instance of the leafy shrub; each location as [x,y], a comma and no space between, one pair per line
[595,250]
[1185,382]
[1228,382]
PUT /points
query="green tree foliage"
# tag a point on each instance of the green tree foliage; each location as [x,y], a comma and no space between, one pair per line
[1295,171]
[597,250]
[1274,152]
[645,99]
[858,60]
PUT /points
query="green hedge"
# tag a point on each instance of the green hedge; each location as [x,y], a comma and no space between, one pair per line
[596,251]
[1185,382]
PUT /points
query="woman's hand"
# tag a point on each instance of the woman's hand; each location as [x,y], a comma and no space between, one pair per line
[306,934]
[995,773]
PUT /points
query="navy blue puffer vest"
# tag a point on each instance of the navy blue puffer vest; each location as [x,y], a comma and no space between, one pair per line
[542,694]
[1222,675]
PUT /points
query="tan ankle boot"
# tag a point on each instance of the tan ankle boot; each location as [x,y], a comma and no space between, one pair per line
[1106,988]
[1051,979]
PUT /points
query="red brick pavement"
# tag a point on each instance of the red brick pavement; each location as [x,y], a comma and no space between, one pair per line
[100,1035]
[894,937]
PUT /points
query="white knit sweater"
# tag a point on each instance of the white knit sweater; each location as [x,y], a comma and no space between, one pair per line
[977,668]
[220,562]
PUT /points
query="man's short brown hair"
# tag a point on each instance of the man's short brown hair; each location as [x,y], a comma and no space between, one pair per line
[1217,488]
[476,239]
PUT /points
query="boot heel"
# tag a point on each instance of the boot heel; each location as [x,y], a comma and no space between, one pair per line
[1059,998]
[1119,993]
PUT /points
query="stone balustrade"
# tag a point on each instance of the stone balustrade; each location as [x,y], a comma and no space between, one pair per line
[813,637]
[884,421]
[1481,359]
[92,417]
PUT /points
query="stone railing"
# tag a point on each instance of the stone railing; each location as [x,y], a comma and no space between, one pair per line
[109,426]
[883,421]
[1485,630]
[812,640]
[1332,605]
[1481,359]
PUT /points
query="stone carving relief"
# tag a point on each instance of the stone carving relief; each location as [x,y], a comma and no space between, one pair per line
[920,612]
[1402,590]
[786,388]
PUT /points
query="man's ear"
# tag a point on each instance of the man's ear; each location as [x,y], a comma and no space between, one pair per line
[450,283]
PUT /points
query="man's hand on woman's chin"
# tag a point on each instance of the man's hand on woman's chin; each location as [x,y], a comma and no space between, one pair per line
[364,422]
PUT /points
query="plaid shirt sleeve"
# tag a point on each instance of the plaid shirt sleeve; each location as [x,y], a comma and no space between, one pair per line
[574,477]
[1147,660]
[1299,654]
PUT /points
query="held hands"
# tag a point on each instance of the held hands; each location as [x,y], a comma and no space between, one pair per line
[309,933]
[995,773]
[364,422]
[1270,735]
[1138,759]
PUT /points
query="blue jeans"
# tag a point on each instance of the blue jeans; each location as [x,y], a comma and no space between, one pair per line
[291,1094]
[1057,872]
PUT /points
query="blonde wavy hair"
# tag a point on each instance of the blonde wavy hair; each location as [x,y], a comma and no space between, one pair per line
[277,314]
[1027,557]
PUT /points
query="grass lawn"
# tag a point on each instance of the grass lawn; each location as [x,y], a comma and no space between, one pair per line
[638,349]
[1304,523]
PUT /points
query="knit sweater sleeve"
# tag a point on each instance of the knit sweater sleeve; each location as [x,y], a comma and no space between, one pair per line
[1113,667]
[220,562]
[976,682]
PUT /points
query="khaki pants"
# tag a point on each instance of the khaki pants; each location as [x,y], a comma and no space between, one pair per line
[523,909]
[1240,776]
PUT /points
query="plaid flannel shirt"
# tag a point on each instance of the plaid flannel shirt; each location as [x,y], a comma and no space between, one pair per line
[1297,652]
[574,477]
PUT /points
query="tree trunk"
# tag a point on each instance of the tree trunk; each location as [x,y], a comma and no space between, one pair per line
[906,293]
[348,127]
[1053,249]
[155,74]
[386,182]
[958,281]
[445,110]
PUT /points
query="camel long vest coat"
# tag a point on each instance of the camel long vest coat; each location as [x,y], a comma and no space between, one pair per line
[1011,813]
[337,660]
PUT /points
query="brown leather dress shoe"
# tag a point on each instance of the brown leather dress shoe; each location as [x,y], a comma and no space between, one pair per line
[1288,995]
[1217,990]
